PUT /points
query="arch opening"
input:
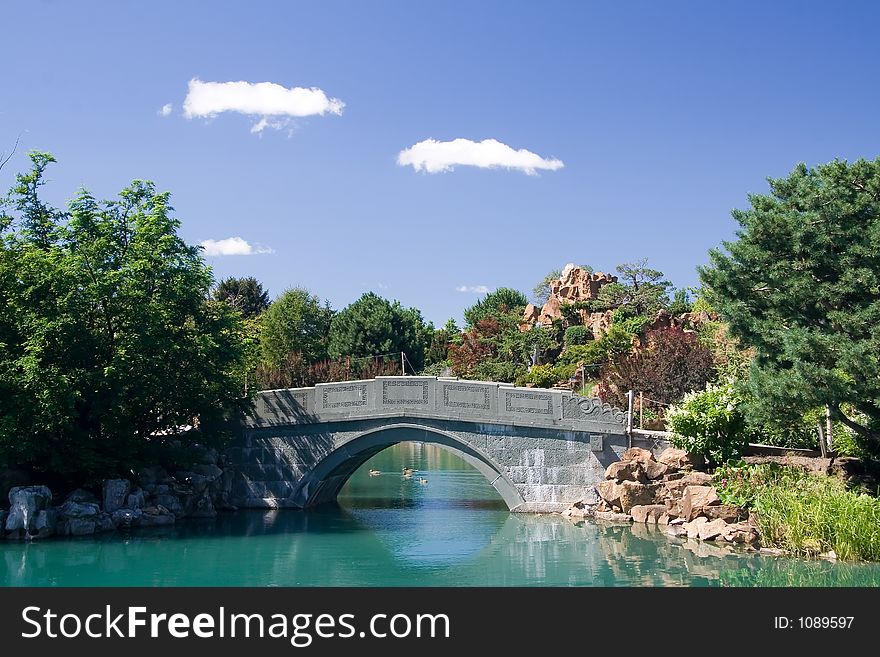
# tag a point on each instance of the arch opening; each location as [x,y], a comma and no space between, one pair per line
[323,483]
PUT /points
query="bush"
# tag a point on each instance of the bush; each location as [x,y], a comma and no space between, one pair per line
[803,513]
[671,364]
[709,423]
[577,335]
[503,371]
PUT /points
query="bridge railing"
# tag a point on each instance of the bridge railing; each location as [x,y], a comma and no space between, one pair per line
[434,397]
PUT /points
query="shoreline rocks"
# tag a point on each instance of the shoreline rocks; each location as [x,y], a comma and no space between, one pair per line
[669,491]
[152,498]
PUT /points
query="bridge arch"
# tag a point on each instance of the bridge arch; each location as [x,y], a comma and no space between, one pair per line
[323,482]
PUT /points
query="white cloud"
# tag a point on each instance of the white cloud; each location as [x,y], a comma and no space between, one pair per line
[474,289]
[257,99]
[232,246]
[382,286]
[438,156]
[165,110]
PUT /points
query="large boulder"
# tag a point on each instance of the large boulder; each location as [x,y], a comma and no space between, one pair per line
[637,454]
[610,491]
[695,500]
[25,504]
[135,499]
[654,470]
[709,531]
[191,482]
[645,513]
[125,518]
[693,527]
[626,471]
[674,458]
[634,494]
[44,523]
[726,512]
[612,516]
[115,491]
[170,502]
[78,518]
[675,488]
[200,506]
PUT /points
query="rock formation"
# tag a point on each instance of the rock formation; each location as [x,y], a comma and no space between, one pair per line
[575,284]
[669,492]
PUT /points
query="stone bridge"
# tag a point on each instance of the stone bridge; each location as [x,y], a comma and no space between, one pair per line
[541,449]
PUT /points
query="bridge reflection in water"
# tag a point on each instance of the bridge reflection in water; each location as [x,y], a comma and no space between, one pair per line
[390,531]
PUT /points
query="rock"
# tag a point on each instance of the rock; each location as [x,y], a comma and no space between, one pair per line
[711,530]
[210,471]
[135,499]
[170,503]
[153,475]
[654,470]
[644,513]
[114,494]
[678,459]
[160,520]
[44,523]
[741,532]
[673,508]
[83,496]
[105,523]
[637,454]
[207,456]
[676,530]
[78,518]
[25,503]
[626,470]
[124,518]
[633,494]
[610,491]
[200,506]
[696,499]
[574,284]
[198,483]
[578,510]
[693,528]
[726,512]
[675,488]
[664,519]
[611,516]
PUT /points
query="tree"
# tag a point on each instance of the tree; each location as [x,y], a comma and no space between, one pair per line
[246,295]
[503,300]
[710,422]
[541,292]
[438,350]
[801,285]
[373,326]
[640,290]
[296,321]
[670,364]
[107,337]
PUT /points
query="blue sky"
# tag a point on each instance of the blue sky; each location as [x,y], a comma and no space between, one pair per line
[665,115]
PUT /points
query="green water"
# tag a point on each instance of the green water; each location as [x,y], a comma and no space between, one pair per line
[391,531]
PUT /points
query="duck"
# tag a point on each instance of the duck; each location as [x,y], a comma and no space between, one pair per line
[374,473]
[423,481]
[408,472]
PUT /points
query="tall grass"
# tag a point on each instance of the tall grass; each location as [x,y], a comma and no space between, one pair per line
[805,514]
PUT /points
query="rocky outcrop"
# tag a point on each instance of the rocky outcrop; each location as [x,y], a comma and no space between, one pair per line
[574,285]
[668,491]
[27,516]
[153,499]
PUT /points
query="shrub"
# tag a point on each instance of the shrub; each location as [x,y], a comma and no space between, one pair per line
[803,513]
[710,423]
[577,335]
[671,364]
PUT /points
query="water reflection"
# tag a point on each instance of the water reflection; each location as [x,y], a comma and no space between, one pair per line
[391,531]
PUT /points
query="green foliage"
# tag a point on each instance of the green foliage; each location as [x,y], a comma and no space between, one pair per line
[681,302]
[494,370]
[615,342]
[803,513]
[710,423]
[639,287]
[577,335]
[106,335]
[504,300]
[439,341]
[801,285]
[246,295]
[373,326]
[297,322]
